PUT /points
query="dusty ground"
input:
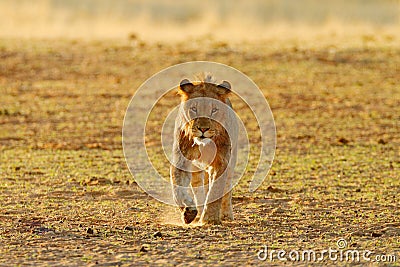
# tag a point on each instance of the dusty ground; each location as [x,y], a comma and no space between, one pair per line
[67,197]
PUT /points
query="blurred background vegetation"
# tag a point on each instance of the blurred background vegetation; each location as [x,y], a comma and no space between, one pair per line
[167,19]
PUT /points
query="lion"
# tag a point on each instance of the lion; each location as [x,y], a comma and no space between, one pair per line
[204,151]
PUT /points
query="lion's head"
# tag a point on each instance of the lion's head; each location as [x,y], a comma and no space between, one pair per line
[205,106]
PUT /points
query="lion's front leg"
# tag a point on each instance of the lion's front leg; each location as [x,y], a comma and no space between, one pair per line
[181,193]
[212,213]
[212,210]
[199,189]
[226,207]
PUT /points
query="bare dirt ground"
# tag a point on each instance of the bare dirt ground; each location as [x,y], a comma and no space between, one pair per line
[67,197]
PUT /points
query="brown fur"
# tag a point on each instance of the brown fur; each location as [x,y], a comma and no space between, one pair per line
[203,127]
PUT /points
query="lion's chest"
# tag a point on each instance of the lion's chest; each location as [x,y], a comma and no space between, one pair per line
[206,152]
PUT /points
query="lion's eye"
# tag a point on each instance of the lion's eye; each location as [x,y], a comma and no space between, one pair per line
[194,109]
[214,110]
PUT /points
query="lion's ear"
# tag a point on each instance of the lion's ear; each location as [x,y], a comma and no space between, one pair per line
[185,86]
[224,88]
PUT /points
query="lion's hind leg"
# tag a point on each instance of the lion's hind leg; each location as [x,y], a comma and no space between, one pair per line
[182,196]
[226,206]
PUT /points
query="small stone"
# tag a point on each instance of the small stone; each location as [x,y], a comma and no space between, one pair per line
[376,234]
[89,231]
[382,142]
[274,189]
[143,249]
[343,141]
[157,234]
[128,228]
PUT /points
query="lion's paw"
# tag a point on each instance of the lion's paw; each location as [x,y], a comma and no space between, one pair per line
[227,216]
[211,222]
[211,219]
[189,214]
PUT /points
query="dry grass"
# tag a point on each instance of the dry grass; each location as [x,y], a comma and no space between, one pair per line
[67,197]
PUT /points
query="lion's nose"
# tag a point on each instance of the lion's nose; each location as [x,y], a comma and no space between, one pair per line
[203,130]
